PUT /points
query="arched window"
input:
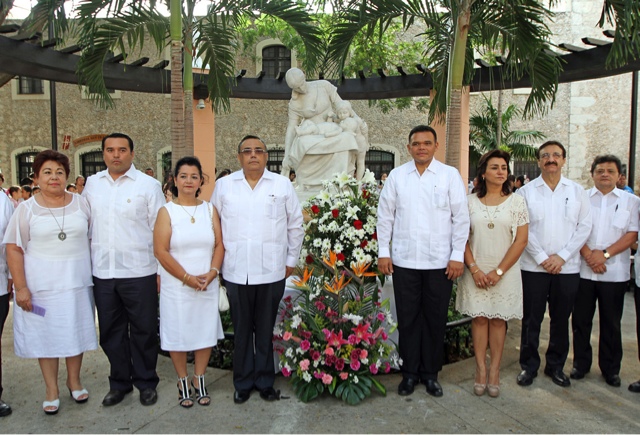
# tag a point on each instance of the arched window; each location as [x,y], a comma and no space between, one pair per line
[275,58]
[274,163]
[92,163]
[166,165]
[24,164]
[379,162]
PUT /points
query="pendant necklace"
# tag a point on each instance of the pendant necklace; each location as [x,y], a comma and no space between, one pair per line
[193,219]
[490,216]
[61,235]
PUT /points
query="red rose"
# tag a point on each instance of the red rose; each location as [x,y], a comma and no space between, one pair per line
[340,257]
[365,194]
[315,209]
[374,236]
[364,244]
[357,224]
[309,259]
[335,212]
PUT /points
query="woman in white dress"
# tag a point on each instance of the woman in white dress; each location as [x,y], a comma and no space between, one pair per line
[490,289]
[190,252]
[48,256]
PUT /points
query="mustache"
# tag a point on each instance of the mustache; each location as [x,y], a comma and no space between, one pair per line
[550,163]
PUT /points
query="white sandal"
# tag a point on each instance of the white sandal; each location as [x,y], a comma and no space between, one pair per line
[76,394]
[51,404]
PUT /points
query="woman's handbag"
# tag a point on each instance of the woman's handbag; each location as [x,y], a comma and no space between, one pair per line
[223,299]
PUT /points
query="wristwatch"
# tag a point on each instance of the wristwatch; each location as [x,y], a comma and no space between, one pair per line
[499,272]
[606,254]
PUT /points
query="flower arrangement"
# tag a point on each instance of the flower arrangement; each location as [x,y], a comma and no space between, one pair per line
[334,335]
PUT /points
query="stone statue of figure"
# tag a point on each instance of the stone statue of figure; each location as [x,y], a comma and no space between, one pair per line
[317,152]
[350,122]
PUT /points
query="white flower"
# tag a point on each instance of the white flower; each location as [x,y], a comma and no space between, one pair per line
[289,353]
[337,247]
[306,376]
[333,227]
[299,351]
[352,212]
[317,243]
[368,177]
[316,363]
[365,360]
[355,379]
[343,179]
[295,321]
[353,317]
[326,244]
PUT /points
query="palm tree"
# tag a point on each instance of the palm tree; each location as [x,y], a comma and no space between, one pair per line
[483,134]
[455,28]
[129,25]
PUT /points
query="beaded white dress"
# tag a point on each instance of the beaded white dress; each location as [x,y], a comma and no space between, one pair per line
[189,319]
[58,274]
[489,245]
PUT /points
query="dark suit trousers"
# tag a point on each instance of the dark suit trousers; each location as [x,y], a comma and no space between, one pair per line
[4,312]
[610,299]
[560,291]
[422,302]
[254,309]
[128,317]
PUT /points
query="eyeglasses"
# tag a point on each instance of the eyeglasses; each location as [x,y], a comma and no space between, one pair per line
[256,151]
[546,156]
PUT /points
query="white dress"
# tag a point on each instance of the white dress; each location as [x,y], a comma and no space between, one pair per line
[58,274]
[504,300]
[189,320]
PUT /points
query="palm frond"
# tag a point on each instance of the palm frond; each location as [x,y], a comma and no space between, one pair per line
[624,15]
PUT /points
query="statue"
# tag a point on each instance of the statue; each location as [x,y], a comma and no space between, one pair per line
[317,145]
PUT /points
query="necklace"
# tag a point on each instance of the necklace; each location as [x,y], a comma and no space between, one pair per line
[61,235]
[193,219]
[490,216]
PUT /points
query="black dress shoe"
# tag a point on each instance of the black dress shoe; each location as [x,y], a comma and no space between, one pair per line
[525,378]
[557,376]
[635,387]
[4,409]
[576,374]
[270,394]
[114,397]
[241,396]
[613,380]
[148,396]
[434,388]
[407,386]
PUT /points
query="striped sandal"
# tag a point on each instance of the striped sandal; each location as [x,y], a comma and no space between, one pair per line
[202,397]
[184,398]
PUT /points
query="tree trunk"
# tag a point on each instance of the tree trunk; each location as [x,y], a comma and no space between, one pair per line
[499,121]
[188,94]
[177,92]
[454,85]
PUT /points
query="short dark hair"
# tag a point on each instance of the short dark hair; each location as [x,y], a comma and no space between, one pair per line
[481,187]
[118,136]
[13,189]
[26,180]
[421,128]
[187,161]
[53,156]
[520,178]
[2,177]
[247,137]
[26,188]
[71,185]
[549,143]
[223,173]
[607,158]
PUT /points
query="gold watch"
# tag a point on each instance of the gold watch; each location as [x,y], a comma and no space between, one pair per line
[499,272]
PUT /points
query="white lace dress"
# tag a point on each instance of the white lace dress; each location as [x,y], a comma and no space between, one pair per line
[189,320]
[503,301]
[59,278]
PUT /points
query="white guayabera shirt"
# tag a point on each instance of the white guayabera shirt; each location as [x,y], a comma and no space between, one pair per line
[6,210]
[123,213]
[261,227]
[425,216]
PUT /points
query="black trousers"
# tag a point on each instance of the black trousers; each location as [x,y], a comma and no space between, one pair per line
[422,302]
[560,291]
[128,317]
[610,299]
[4,312]
[254,309]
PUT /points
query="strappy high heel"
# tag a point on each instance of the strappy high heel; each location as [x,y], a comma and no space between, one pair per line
[202,397]
[184,398]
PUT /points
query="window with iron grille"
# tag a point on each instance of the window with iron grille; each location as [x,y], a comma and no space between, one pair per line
[24,163]
[30,86]
[274,163]
[379,162]
[275,58]
[92,163]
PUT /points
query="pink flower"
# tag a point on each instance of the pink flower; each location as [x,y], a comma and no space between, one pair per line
[305,334]
[373,369]
[344,376]
[327,379]
[315,355]
[362,332]
[363,353]
[384,335]
[387,367]
[355,365]
[352,339]
[318,375]
[339,364]
[329,360]
[304,365]
[335,340]
[381,316]
[329,351]
[287,336]
[305,345]
[286,372]
[355,354]
[320,306]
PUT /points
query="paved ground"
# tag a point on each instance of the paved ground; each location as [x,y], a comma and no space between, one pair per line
[588,406]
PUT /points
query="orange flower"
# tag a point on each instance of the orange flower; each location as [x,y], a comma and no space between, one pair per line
[301,282]
[337,285]
[331,261]
[360,270]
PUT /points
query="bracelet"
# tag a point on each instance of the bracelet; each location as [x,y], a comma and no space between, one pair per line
[185,278]
[477,270]
[216,269]
[21,288]
[471,265]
